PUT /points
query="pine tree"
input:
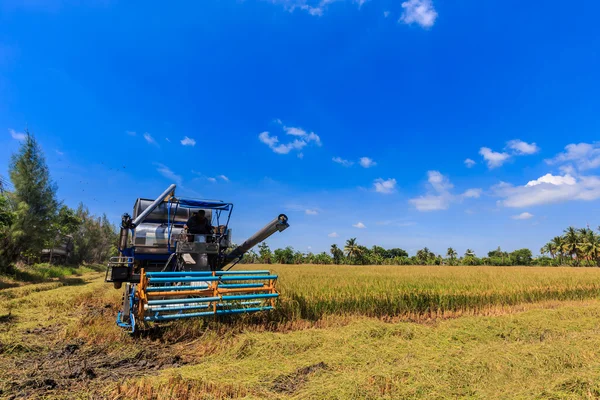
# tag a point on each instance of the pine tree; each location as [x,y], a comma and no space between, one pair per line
[34,192]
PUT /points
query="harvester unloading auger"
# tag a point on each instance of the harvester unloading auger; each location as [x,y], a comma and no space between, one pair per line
[170,274]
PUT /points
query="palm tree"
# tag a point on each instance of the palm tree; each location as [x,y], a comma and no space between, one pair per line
[557,245]
[451,253]
[336,253]
[469,252]
[351,248]
[589,245]
[570,240]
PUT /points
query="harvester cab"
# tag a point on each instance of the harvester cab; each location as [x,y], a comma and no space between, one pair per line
[169,273]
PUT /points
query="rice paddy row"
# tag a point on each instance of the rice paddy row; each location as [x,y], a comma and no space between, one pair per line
[312,292]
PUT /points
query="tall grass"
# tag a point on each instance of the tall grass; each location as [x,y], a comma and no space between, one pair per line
[311,292]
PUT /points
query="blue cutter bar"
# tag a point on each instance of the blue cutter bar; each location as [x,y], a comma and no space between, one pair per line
[211,299]
[204,273]
[210,278]
[206,314]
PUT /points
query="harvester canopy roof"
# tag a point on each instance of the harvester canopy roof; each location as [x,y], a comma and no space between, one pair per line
[213,205]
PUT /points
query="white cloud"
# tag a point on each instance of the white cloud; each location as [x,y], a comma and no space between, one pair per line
[385,186]
[584,155]
[472,193]
[168,140]
[130,133]
[267,139]
[311,212]
[493,158]
[439,182]
[302,139]
[301,155]
[290,130]
[554,180]
[440,196]
[524,215]
[386,14]
[522,148]
[419,11]
[186,141]
[367,162]
[469,163]
[548,189]
[211,179]
[60,153]
[167,173]
[314,8]
[359,225]
[340,160]
[17,135]
[440,199]
[333,235]
[431,202]
[150,139]
[226,179]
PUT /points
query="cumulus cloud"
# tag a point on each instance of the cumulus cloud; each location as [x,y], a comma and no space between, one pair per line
[367,162]
[440,196]
[492,158]
[186,141]
[167,173]
[226,179]
[150,139]
[469,163]
[17,135]
[548,189]
[513,147]
[472,193]
[386,14]
[311,212]
[439,182]
[584,155]
[302,139]
[554,180]
[333,235]
[211,179]
[340,160]
[386,186]
[420,12]
[524,215]
[359,225]
[522,148]
[315,8]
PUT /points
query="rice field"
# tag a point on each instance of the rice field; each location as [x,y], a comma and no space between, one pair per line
[340,332]
[416,292]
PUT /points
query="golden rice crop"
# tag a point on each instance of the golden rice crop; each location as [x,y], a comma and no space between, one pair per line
[313,291]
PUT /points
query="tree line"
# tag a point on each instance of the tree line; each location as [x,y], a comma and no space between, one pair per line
[32,219]
[576,247]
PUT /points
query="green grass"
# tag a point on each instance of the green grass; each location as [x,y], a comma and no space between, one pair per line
[44,272]
[341,333]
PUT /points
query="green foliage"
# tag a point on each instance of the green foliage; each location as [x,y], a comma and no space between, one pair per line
[95,239]
[34,188]
[264,252]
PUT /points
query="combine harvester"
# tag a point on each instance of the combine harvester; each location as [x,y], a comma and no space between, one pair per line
[170,274]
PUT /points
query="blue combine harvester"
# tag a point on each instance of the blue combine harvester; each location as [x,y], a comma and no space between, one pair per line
[170,273]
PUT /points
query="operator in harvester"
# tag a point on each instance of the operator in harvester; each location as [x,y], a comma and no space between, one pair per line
[198,224]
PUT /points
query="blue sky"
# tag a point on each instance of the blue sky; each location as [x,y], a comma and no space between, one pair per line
[356,118]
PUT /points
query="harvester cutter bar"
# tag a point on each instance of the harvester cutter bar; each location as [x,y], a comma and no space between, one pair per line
[206,314]
[179,294]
